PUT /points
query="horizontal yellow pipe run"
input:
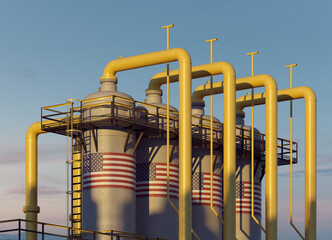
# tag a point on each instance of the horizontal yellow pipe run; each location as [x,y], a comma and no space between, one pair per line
[271,138]
[228,71]
[200,71]
[166,56]
[310,147]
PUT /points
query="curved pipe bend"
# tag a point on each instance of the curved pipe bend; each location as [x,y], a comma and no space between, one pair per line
[229,130]
[182,56]
[31,208]
[122,64]
[310,146]
[197,72]
[270,85]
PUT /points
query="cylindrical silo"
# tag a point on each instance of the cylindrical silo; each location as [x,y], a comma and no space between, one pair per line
[155,217]
[109,175]
[204,221]
[246,227]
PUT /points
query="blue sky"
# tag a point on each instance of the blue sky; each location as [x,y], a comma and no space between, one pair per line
[51,51]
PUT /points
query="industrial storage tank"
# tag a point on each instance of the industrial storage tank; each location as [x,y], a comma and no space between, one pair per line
[109,175]
[155,216]
[204,221]
[246,227]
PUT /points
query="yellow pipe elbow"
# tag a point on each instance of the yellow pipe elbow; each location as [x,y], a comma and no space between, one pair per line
[31,208]
[310,147]
[229,129]
[166,56]
[122,64]
[271,137]
[200,71]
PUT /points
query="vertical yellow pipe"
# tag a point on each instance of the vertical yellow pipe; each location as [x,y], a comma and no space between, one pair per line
[184,59]
[253,147]
[310,148]
[228,88]
[229,158]
[271,139]
[31,208]
[211,134]
[167,123]
[291,153]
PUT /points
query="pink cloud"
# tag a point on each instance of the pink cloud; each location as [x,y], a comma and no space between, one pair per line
[42,190]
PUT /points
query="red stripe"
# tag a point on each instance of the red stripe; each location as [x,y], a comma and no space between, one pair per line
[207,194]
[165,164]
[249,193]
[109,180]
[120,160]
[118,165]
[255,202]
[215,174]
[108,175]
[157,195]
[255,183]
[110,170]
[249,197]
[119,154]
[157,190]
[165,175]
[155,185]
[165,168]
[208,189]
[108,186]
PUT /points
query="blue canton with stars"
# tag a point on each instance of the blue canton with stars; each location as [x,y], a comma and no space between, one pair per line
[92,162]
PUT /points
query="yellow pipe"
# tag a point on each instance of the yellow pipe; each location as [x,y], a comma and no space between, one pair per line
[176,54]
[271,138]
[31,208]
[229,131]
[310,147]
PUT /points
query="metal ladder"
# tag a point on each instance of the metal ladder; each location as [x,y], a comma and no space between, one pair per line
[74,161]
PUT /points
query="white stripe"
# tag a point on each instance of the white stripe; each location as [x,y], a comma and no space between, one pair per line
[118,162]
[115,168]
[107,155]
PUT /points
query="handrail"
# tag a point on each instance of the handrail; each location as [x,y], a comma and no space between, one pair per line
[118,234]
[217,126]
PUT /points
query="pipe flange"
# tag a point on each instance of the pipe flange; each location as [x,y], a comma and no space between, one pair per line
[35,209]
[149,92]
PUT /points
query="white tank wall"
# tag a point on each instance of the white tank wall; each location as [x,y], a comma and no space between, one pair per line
[246,227]
[155,217]
[205,223]
[109,175]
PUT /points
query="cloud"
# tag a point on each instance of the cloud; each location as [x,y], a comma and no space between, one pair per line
[42,190]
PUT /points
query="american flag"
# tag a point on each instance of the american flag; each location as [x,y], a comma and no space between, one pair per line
[151,180]
[109,170]
[201,189]
[243,197]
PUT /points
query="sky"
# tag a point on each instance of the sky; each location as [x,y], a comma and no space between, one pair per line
[51,51]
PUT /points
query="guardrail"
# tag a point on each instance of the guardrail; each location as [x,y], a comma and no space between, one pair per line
[54,231]
[131,112]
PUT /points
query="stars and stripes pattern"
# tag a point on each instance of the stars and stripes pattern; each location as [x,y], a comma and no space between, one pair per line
[151,180]
[201,189]
[109,170]
[243,198]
